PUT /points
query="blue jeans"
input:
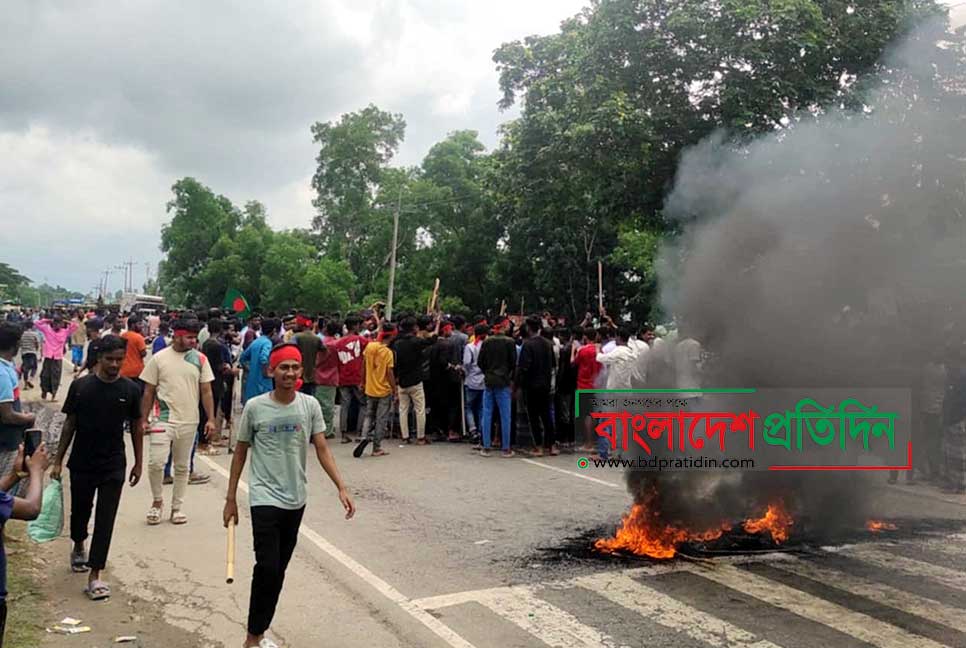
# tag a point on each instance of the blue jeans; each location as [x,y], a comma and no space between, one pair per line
[500,396]
[474,410]
[76,354]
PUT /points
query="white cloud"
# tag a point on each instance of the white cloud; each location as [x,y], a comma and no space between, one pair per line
[102,110]
[71,205]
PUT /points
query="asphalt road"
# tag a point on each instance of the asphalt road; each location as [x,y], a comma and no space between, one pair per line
[449,549]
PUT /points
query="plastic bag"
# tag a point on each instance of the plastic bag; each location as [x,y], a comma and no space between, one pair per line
[50,522]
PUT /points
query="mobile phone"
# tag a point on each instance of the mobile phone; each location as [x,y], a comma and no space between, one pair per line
[32,439]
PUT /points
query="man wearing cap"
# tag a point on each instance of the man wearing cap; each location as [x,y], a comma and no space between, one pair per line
[176,376]
[277,428]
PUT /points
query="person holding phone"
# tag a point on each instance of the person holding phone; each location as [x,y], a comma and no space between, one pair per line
[98,408]
[13,421]
[19,508]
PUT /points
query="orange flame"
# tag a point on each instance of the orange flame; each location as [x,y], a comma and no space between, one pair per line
[643,533]
[776,521]
[875,526]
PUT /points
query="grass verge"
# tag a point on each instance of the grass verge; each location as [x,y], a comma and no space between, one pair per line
[24,597]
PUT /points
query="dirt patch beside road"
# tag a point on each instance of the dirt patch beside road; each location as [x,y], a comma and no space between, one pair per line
[43,591]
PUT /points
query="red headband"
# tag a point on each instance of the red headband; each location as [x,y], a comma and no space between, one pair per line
[303,321]
[180,332]
[447,327]
[283,353]
[385,335]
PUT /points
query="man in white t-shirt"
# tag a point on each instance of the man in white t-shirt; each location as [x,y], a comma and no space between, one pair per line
[620,361]
[177,376]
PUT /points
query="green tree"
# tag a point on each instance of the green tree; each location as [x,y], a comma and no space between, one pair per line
[611,101]
[202,225]
[286,262]
[11,281]
[354,154]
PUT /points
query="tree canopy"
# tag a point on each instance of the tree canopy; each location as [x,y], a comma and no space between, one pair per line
[607,107]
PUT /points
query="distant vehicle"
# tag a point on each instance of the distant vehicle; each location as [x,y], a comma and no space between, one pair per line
[142,304]
[10,306]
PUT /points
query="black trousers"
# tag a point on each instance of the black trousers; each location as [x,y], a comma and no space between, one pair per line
[50,376]
[538,413]
[3,620]
[83,487]
[276,531]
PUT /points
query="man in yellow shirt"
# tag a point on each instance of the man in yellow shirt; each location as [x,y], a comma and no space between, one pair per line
[379,383]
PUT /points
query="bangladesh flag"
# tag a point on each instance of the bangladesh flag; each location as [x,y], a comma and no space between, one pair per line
[236,302]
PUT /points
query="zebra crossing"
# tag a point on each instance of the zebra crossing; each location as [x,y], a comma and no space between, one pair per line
[908,594]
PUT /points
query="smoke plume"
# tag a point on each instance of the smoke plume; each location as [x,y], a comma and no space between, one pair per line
[830,253]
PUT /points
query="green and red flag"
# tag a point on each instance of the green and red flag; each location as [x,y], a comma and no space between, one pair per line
[236,302]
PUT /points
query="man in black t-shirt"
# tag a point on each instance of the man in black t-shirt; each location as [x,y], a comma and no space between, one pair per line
[408,367]
[219,357]
[97,407]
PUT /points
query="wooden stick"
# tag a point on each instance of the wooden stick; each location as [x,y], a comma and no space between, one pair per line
[230,564]
[503,307]
[433,297]
[600,287]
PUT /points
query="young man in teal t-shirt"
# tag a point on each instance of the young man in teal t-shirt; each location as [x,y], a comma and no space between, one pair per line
[277,429]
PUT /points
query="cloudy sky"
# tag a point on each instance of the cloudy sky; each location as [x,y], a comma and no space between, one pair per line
[103,108]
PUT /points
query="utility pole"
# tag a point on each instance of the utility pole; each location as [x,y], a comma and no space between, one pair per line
[392,261]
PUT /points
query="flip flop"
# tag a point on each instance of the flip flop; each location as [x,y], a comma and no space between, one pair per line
[357,453]
[154,516]
[197,478]
[98,590]
[78,562]
[346,439]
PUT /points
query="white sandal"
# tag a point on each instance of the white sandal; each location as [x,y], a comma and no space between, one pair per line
[154,516]
[177,517]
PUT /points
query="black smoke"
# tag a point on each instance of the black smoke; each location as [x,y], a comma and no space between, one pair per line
[829,253]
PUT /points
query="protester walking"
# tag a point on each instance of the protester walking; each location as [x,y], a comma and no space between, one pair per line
[99,407]
[56,332]
[176,377]
[379,384]
[277,428]
[30,347]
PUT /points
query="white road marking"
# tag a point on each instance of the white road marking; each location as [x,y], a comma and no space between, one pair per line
[953,578]
[669,612]
[860,626]
[880,593]
[573,474]
[441,630]
[547,622]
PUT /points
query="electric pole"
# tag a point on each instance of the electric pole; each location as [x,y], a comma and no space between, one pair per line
[392,261]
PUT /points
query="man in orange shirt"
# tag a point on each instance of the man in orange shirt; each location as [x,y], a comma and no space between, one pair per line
[136,350]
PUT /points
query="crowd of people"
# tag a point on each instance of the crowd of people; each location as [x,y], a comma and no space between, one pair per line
[306,378]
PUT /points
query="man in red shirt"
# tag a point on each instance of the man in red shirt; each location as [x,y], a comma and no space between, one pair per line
[327,375]
[585,360]
[133,363]
[349,350]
